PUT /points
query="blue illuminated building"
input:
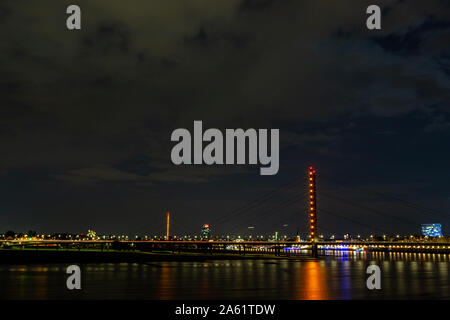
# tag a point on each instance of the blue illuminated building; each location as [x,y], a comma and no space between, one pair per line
[432,230]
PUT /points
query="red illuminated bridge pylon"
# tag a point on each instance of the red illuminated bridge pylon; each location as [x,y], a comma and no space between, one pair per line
[312,199]
[312,204]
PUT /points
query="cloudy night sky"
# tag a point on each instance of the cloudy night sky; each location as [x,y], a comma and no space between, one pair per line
[86,116]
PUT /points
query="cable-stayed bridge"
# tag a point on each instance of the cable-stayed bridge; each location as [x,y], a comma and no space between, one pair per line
[265,206]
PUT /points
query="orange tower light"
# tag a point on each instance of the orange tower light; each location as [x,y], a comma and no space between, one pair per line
[312,204]
[168,226]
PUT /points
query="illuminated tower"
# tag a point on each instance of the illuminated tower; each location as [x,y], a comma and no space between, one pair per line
[312,203]
[167,225]
[206,231]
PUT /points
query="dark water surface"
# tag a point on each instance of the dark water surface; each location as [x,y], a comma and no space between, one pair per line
[403,276]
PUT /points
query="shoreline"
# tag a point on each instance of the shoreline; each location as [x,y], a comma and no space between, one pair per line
[98,256]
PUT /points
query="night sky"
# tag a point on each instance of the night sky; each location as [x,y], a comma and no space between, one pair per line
[86,116]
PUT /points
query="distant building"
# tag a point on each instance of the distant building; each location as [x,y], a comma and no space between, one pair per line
[91,234]
[432,230]
[206,231]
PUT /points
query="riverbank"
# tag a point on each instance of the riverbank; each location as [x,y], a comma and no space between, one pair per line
[25,256]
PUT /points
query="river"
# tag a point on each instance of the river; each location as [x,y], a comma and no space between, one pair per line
[336,276]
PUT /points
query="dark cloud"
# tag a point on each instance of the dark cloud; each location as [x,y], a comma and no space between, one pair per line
[415,37]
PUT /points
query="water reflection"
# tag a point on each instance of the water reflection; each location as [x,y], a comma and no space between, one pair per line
[313,277]
[165,282]
[404,276]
